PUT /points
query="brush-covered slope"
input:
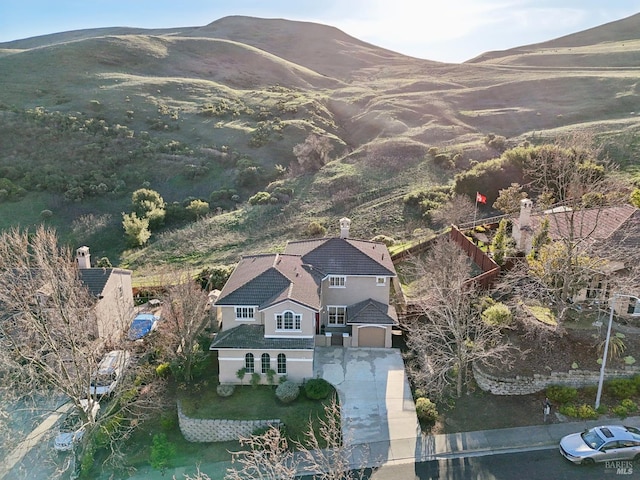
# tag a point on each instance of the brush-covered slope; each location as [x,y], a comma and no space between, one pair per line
[613,45]
[89,116]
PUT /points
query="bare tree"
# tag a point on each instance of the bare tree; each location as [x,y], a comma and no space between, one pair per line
[47,348]
[265,456]
[185,316]
[446,333]
[457,210]
[324,453]
[328,455]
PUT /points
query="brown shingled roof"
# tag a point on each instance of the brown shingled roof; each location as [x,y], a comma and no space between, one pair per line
[592,223]
[344,256]
[264,280]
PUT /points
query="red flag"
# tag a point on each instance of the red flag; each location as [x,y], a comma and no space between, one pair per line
[480,198]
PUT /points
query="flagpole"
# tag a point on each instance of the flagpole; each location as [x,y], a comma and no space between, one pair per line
[475,211]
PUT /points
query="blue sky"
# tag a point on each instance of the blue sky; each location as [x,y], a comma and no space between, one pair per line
[443,30]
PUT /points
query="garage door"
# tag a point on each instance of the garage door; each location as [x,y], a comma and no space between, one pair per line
[371,337]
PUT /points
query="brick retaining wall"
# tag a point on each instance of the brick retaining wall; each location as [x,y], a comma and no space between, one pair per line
[209,430]
[524,385]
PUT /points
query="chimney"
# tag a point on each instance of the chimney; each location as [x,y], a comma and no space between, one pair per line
[525,213]
[345,223]
[83,257]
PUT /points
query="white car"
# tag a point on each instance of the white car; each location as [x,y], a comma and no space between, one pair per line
[72,427]
[600,444]
[110,370]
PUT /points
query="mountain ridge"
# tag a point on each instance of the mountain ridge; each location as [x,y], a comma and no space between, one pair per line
[221,106]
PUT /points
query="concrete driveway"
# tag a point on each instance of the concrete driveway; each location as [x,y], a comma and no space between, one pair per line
[378,411]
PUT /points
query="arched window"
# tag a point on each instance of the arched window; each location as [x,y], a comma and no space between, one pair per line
[266,362]
[288,321]
[282,364]
[248,362]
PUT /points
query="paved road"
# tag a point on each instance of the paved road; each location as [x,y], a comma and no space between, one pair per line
[533,465]
[11,466]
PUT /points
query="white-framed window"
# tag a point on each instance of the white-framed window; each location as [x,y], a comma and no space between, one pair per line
[337,281]
[336,315]
[245,313]
[381,281]
[288,321]
[282,364]
[249,363]
[265,362]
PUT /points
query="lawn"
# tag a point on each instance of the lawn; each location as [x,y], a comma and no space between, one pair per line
[200,400]
[254,403]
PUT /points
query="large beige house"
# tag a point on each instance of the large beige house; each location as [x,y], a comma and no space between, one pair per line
[113,293]
[275,308]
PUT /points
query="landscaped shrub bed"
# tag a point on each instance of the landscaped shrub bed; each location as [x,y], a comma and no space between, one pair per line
[620,398]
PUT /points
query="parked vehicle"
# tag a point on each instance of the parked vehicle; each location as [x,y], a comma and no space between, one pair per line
[72,427]
[110,370]
[142,325]
[600,444]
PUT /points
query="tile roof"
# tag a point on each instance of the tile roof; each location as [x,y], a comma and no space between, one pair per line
[264,280]
[592,223]
[344,256]
[371,312]
[95,279]
[252,337]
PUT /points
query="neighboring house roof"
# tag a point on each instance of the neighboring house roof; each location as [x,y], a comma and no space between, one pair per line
[595,223]
[371,312]
[264,280]
[252,337]
[344,256]
[96,278]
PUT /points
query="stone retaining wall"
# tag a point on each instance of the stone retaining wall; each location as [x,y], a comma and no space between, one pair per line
[524,385]
[209,430]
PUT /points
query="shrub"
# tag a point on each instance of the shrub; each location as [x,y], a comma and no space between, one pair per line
[255,379]
[162,452]
[260,198]
[426,410]
[560,394]
[619,411]
[315,229]
[388,241]
[288,391]
[163,370]
[621,388]
[568,410]
[241,373]
[629,404]
[317,389]
[225,390]
[586,412]
[497,315]
[169,421]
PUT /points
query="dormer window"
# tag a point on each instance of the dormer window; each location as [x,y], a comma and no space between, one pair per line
[245,314]
[288,321]
[337,281]
[381,281]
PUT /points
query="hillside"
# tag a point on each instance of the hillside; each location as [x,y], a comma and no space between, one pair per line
[86,117]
